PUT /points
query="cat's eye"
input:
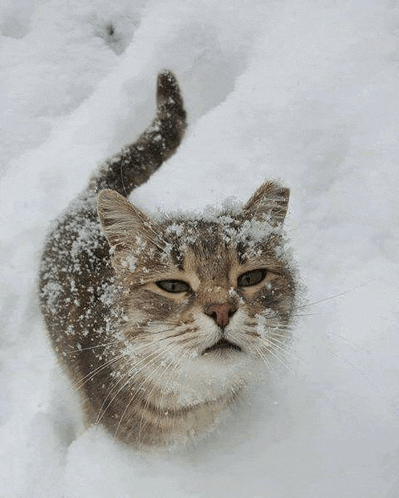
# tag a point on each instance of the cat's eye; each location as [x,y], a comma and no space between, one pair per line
[252,277]
[174,286]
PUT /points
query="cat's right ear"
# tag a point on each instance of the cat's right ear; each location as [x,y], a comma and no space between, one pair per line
[120,220]
[269,202]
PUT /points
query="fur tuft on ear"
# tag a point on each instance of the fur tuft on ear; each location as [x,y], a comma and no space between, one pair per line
[269,202]
[120,220]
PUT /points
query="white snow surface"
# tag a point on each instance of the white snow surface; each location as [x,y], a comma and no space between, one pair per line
[298,90]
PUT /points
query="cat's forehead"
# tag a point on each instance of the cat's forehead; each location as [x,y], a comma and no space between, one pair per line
[223,229]
[210,248]
[218,242]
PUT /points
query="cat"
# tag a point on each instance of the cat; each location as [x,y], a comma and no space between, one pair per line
[161,323]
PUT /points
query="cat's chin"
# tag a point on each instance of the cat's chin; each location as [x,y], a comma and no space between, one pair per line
[218,374]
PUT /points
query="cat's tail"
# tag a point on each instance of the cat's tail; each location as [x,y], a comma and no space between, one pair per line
[135,163]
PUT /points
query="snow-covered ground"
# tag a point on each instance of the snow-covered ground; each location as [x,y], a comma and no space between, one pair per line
[301,90]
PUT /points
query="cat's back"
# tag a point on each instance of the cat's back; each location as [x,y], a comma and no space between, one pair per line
[75,273]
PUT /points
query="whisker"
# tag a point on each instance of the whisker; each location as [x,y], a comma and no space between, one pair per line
[334,296]
[279,345]
[147,400]
[352,343]
[296,315]
[81,382]
[278,327]
[369,381]
[176,328]
[103,410]
[278,358]
[147,360]
[264,358]
[136,391]
[78,350]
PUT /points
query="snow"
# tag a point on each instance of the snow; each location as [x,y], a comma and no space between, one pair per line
[301,91]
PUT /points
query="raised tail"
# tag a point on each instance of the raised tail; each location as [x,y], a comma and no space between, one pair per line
[134,165]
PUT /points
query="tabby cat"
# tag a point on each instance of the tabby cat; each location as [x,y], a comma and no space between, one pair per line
[160,323]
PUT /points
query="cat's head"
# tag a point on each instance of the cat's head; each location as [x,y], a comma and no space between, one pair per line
[214,293]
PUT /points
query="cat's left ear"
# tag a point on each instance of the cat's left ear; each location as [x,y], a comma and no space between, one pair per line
[269,202]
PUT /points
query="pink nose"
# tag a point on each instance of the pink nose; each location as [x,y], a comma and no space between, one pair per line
[221,313]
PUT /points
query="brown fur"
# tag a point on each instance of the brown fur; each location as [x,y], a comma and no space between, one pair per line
[143,358]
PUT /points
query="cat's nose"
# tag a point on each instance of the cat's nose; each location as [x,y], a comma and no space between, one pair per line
[221,312]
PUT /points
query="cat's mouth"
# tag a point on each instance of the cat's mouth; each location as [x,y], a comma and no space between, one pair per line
[221,346]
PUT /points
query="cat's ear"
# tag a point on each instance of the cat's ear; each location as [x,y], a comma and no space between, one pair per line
[269,202]
[121,221]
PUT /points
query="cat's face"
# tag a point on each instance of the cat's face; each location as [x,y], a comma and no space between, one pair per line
[204,300]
